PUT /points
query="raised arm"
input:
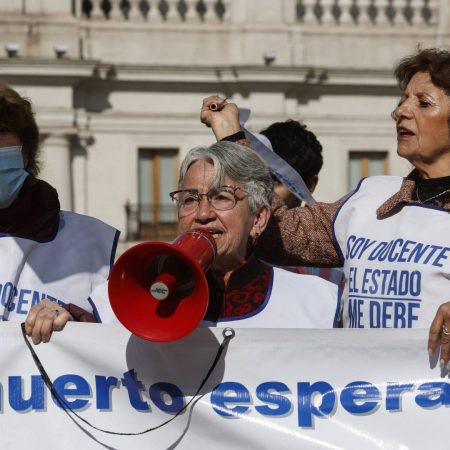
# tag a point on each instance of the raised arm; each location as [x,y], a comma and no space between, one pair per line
[297,236]
[222,118]
[300,236]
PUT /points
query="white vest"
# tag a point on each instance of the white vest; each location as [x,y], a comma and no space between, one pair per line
[398,268]
[292,301]
[64,268]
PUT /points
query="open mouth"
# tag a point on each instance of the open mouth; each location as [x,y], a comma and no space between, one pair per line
[404,132]
[213,231]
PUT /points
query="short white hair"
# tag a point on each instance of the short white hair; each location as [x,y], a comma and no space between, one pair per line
[240,164]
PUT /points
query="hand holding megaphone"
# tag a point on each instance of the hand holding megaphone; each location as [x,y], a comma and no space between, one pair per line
[159,291]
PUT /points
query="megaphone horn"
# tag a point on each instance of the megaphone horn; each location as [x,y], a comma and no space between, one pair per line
[158,290]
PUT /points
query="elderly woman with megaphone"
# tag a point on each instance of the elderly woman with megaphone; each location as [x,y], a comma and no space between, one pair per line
[159,291]
[226,191]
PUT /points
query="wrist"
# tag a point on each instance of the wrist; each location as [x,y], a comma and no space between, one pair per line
[235,137]
[223,128]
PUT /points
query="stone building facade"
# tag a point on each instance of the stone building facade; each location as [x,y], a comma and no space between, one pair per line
[117,87]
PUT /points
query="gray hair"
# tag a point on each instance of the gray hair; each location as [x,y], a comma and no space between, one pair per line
[238,163]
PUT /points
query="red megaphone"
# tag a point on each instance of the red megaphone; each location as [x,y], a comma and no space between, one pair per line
[159,291]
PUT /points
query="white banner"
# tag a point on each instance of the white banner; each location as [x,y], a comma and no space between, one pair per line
[273,389]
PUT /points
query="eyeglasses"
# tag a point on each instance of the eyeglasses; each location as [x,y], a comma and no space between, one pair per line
[221,198]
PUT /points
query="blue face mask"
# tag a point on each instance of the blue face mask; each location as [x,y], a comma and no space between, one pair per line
[12,174]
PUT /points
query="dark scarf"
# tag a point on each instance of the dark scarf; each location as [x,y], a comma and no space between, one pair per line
[435,189]
[34,213]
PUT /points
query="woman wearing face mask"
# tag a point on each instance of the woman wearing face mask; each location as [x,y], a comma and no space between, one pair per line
[50,260]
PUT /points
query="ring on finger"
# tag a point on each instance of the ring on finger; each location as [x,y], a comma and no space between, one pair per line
[445,331]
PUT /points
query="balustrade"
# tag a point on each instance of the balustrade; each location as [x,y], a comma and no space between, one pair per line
[360,12]
[161,10]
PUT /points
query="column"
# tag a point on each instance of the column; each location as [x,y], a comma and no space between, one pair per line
[56,167]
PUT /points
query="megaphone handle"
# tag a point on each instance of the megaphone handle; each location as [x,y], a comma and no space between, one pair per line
[163,285]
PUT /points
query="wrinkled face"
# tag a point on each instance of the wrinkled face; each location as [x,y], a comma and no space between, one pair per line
[231,229]
[8,138]
[422,126]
